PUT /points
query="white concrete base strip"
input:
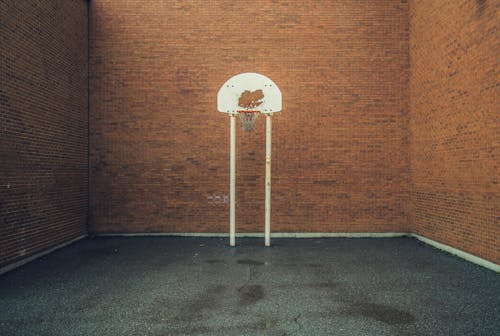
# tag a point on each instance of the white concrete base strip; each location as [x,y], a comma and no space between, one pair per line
[260,235]
[165,234]
[459,253]
[21,262]
[339,234]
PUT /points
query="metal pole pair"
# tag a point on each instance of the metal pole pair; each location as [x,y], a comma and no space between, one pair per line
[232,182]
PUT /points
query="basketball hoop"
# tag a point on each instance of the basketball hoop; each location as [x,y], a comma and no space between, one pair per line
[248,119]
[249,94]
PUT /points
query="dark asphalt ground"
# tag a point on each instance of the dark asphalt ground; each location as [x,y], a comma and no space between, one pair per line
[200,286]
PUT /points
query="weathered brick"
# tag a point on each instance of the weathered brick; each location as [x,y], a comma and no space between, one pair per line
[390,119]
[159,148]
[454,90]
[43,125]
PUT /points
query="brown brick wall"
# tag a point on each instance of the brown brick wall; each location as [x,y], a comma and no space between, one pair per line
[454,86]
[43,125]
[159,157]
[159,149]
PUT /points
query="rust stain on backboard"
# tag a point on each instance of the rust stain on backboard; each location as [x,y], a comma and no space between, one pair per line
[250,99]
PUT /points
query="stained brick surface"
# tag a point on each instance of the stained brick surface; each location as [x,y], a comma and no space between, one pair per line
[454,86]
[159,149]
[43,125]
[390,119]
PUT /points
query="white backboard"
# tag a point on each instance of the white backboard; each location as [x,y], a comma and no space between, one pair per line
[249,83]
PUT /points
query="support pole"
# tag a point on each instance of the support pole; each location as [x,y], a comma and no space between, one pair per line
[268,182]
[232,180]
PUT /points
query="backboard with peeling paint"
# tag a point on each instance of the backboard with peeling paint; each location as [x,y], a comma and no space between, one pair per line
[249,91]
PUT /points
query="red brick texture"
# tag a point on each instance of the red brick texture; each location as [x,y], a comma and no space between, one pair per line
[43,124]
[390,120]
[454,90]
[159,148]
